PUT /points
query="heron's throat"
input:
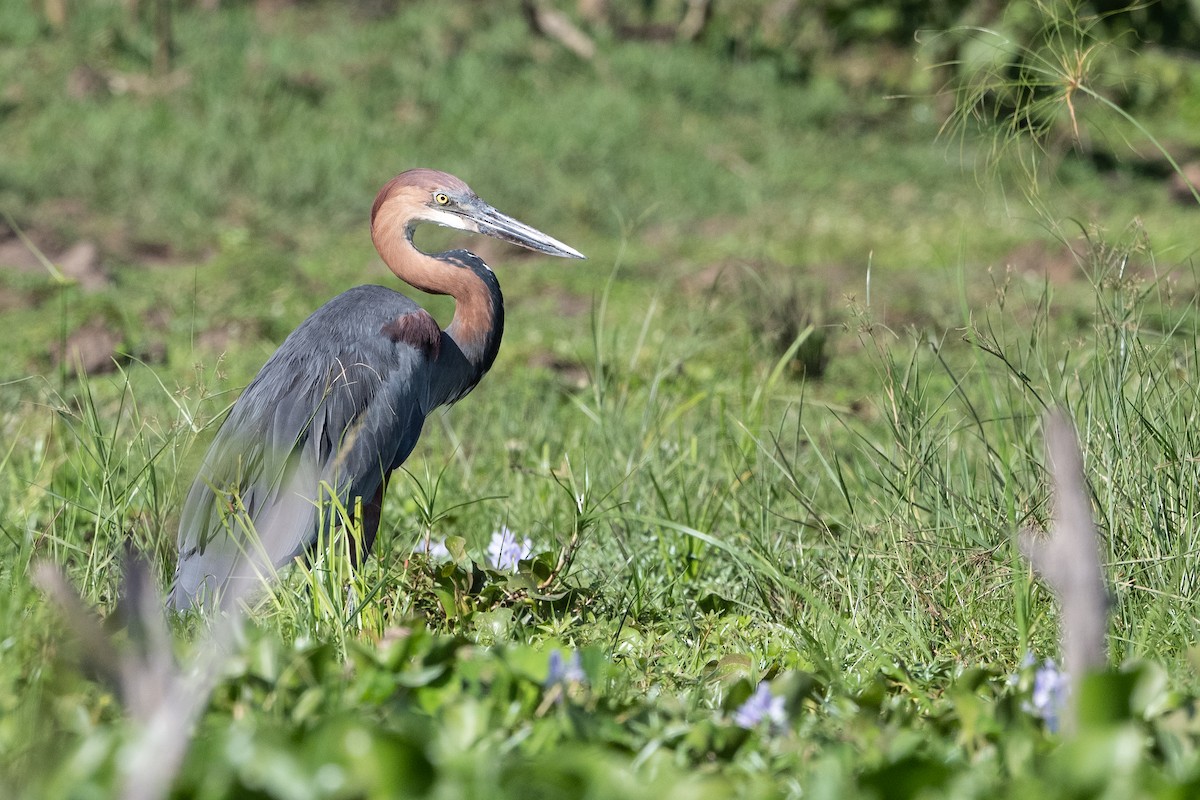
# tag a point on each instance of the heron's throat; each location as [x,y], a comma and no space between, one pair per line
[479,307]
[394,241]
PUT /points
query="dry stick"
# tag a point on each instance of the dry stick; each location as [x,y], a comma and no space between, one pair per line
[162,698]
[1068,560]
[56,13]
[695,19]
[556,25]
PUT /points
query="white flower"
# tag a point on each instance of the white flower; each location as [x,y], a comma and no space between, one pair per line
[505,550]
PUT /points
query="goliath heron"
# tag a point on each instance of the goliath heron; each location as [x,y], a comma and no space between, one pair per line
[341,403]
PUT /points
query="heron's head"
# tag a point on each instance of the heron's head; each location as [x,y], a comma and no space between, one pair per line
[426,195]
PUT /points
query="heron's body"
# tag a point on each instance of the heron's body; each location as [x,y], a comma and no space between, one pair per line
[342,402]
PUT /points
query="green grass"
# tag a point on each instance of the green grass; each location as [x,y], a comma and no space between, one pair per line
[703,516]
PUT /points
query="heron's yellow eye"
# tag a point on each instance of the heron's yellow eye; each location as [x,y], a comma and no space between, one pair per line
[441,198]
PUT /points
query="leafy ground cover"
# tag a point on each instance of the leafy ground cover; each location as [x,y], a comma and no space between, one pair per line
[778,432]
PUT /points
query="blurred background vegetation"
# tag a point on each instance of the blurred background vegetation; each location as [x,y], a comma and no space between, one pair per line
[144,136]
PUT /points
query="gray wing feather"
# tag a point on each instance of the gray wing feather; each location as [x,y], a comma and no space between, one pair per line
[334,410]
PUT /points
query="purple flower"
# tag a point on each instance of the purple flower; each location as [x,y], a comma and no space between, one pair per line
[505,550]
[762,705]
[1049,697]
[564,672]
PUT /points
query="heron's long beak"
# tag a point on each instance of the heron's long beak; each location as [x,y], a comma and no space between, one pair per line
[492,223]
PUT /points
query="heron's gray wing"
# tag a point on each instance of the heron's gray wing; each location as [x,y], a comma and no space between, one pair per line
[335,409]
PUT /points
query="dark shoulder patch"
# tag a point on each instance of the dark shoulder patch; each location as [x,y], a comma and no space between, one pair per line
[418,329]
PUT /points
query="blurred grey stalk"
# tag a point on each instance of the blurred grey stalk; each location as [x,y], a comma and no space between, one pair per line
[1068,560]
[161,697]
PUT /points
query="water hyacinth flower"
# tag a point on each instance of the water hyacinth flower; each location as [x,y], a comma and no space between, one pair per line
[760,706]
[505,550]
[1049,697]
[564,672]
